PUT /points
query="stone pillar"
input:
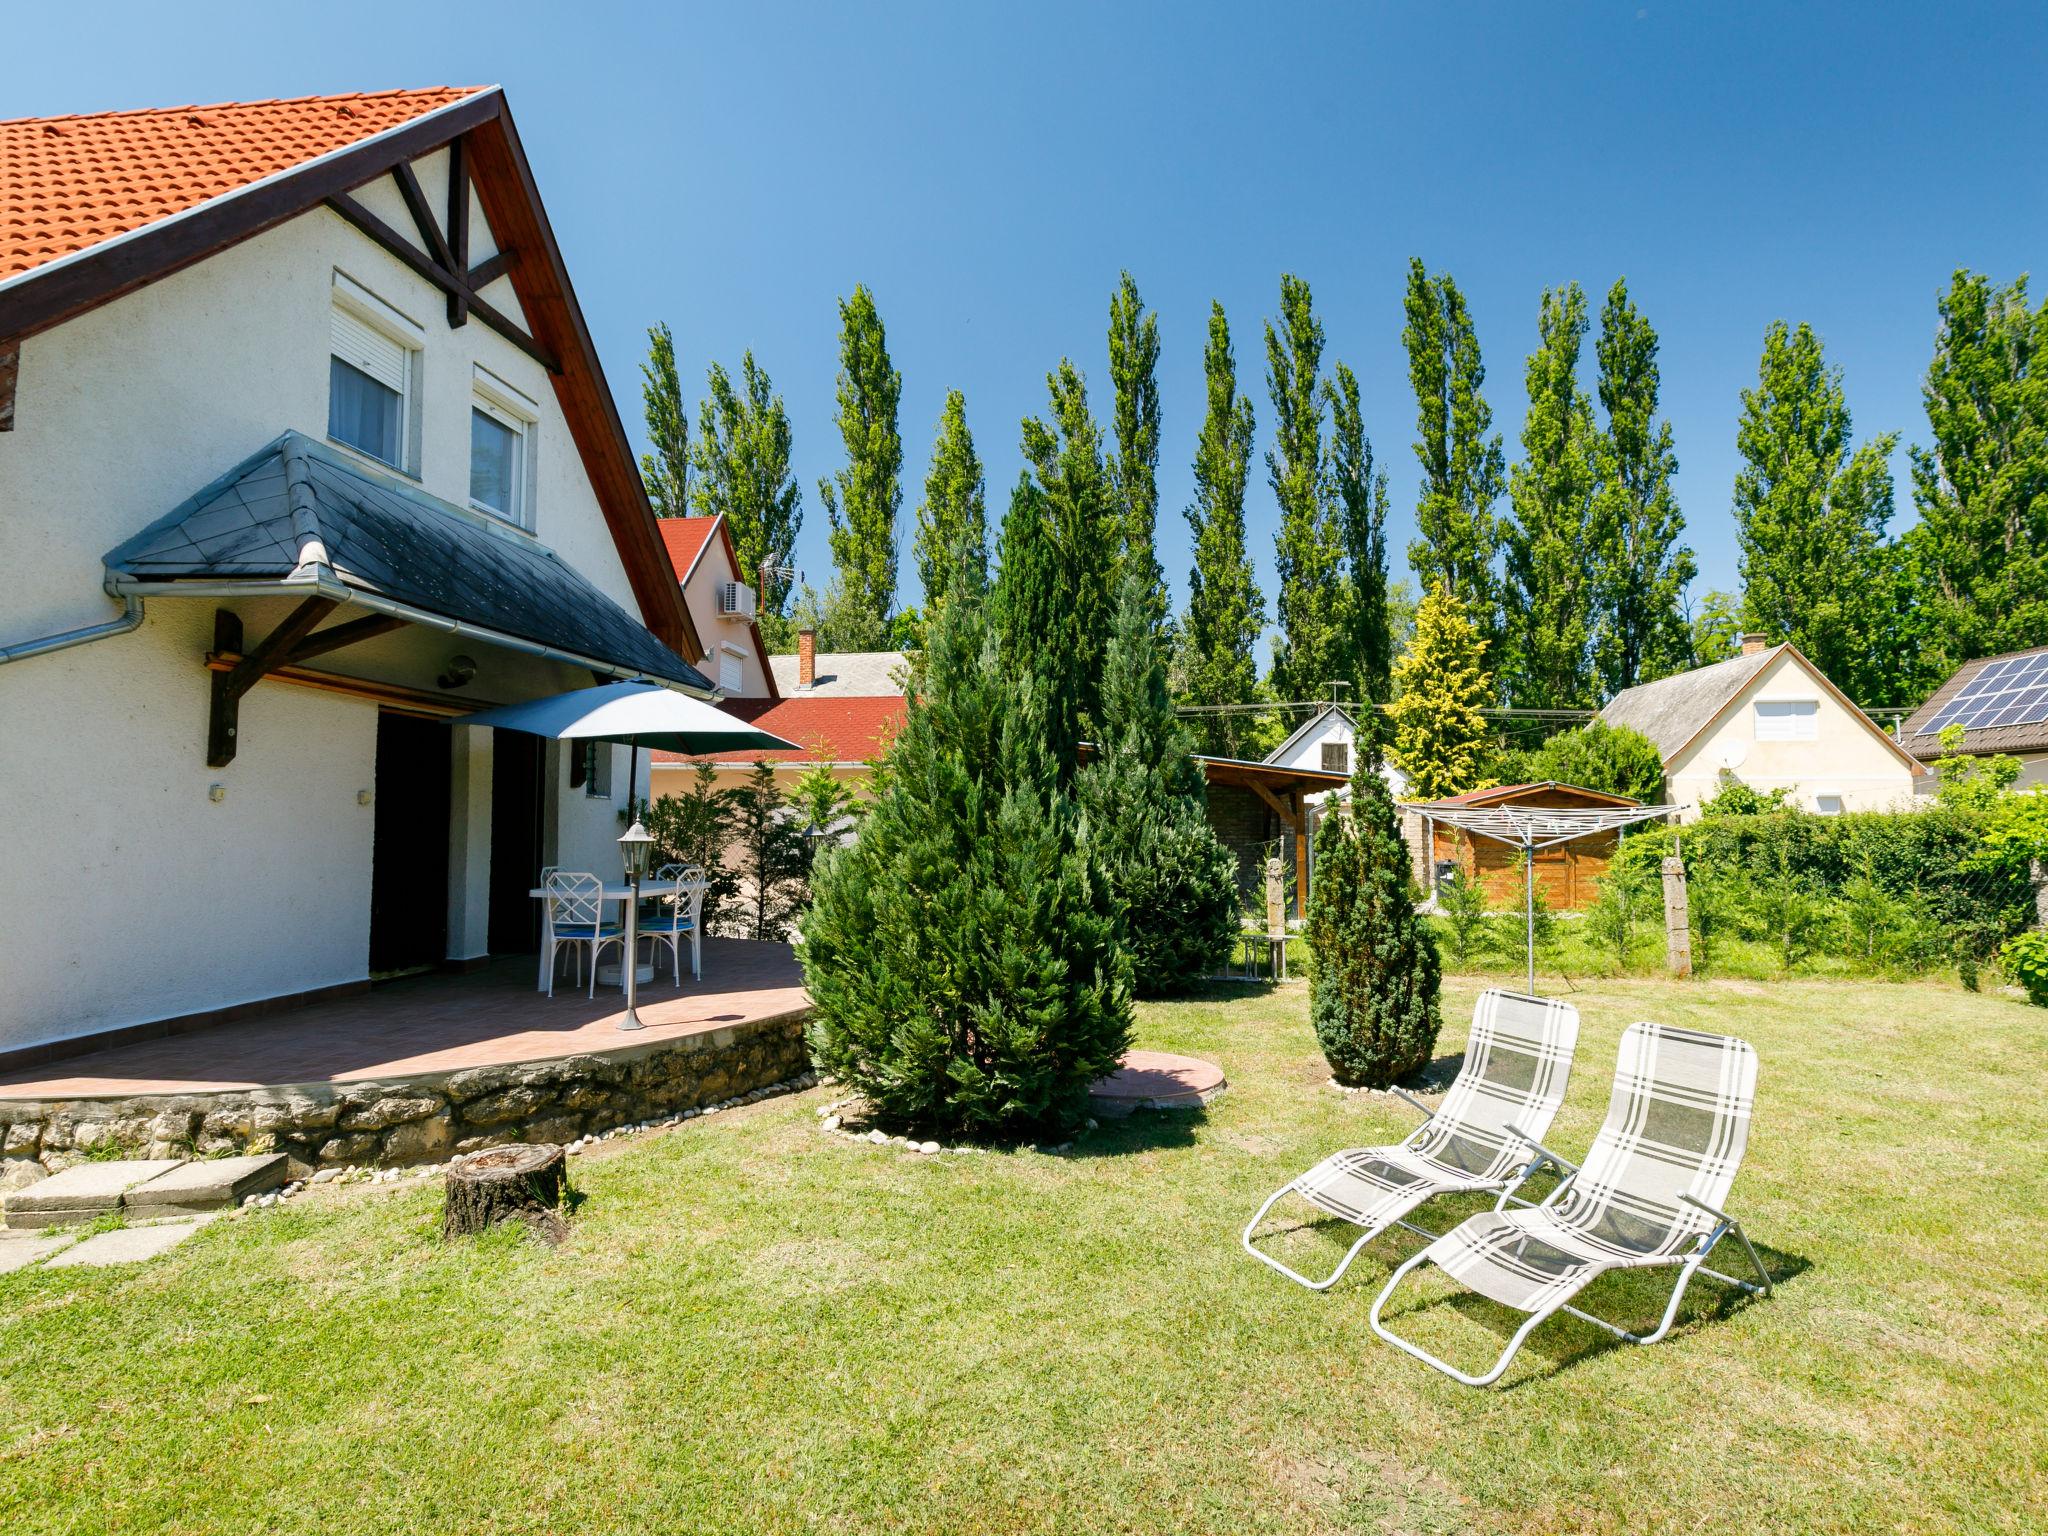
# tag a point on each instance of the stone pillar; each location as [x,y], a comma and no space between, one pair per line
[1677,923]
[2039,871]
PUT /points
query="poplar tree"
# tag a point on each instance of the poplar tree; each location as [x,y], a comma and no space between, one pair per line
[952,520]
[1309,651]
[666,469]
[863,507]
[1362,513]
[1440,686]
[1982,488]
[1226,612]
[1549,539]
[1810,518]
[1642,569]
[1134,471]
[741,459]
[1462,474]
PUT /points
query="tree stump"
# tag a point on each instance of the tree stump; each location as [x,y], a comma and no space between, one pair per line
[506,1184]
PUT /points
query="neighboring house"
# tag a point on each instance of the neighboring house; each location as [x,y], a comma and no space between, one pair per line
[1567,874]
[721,605]
[1769,718]
[2001,702]
[844,708]
[1327,743]
[304,388]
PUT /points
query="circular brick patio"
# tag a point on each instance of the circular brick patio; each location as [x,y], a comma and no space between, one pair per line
[1156,1080]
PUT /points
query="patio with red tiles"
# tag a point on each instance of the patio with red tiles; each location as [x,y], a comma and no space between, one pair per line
[432,1023]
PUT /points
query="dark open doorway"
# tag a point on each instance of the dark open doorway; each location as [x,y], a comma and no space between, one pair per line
[409,847]
[517,775]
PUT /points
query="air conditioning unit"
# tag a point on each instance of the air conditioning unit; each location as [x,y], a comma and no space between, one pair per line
[735,600]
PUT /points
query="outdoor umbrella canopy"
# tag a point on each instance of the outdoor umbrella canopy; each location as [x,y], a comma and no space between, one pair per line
[635,714]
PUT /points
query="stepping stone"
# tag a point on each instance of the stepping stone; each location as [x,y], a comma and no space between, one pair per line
[1156,1080]
[128,1245]
[18,1250]
[206,1184]
[80,1194]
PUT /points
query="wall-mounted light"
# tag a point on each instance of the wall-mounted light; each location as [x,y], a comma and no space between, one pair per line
[362,797]
[461,669]
[216,793]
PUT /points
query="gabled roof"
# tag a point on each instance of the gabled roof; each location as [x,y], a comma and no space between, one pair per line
[298,511]
[1309,727]
[70,183]
[686,539]
[864,674]
[1675,711]
[1528,794]
[1926,745]
[843,729]
[161,192]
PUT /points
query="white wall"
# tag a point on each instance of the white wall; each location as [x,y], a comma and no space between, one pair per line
[1845,759]
[1307,752]
[700,595]
[128,895]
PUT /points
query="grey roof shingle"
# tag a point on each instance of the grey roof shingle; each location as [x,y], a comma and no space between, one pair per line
[298,502]
[859,674]
[1673,710]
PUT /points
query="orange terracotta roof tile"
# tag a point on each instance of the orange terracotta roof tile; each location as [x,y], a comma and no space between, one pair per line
[685,538]
[70,183]
[834,728]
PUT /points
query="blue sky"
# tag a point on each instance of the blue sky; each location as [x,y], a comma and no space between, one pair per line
[988,170]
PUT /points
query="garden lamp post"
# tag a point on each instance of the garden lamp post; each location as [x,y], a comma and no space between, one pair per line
[634,848]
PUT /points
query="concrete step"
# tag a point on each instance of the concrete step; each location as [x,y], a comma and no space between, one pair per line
[206,1184]
[81,1194]
[128,1245]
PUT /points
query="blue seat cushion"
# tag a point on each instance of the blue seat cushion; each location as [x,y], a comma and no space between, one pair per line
[667,925]
[588,931]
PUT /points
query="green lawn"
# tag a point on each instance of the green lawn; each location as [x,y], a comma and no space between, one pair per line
[756,1327]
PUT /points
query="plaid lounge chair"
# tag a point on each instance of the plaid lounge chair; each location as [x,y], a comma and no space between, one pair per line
[1649,1194]
[1517,1063]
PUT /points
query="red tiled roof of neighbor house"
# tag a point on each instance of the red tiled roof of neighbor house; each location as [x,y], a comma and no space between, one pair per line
[1506,792]
[834,728]
[685,538]
[70,183]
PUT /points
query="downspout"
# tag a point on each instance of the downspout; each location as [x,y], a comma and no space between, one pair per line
[131,618]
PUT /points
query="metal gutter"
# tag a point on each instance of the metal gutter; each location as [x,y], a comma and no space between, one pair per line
[135,588]
[130,619]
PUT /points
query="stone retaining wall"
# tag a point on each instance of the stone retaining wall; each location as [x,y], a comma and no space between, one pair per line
[418,1118]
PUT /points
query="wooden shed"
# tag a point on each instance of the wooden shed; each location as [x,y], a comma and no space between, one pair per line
[1567,874]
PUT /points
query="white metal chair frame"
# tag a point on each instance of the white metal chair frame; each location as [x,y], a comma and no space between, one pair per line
[670,925]
[1690,1262]
[1509,1186]
[575,917]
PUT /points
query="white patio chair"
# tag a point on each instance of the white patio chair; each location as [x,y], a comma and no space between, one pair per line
[676,917]
[576,917]
[1517,1063]
[1650,1193]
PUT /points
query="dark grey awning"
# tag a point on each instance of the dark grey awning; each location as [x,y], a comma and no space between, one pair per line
[300,517]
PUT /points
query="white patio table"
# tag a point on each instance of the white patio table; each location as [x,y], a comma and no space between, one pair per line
[621,893]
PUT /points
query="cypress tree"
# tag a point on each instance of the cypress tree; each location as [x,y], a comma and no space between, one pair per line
[952,520]
[863,506]
[666,470]
[1642,571]
[1134,470]
[1810,518]
[1362,507]
[1550,547]
[1374,998]
[1461,465]
[1146,803]
[962,954]
[1226,612]
[1440,686]
[1309,551]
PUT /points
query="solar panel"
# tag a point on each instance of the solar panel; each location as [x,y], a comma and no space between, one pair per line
[2010,691]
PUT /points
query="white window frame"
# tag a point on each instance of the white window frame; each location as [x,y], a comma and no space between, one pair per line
[1821,799]
[402,331]
[1795,719]
[733,656]
[513,408]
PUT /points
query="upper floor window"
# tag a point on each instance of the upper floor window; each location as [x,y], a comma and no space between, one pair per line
[500,450]
[731,669]
[1788,719]
[373,377]
[1336,757]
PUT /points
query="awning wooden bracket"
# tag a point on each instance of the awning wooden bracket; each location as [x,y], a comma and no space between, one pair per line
[1289,817]
[292,640]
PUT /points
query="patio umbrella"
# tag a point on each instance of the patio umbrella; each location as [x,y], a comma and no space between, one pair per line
[638,714]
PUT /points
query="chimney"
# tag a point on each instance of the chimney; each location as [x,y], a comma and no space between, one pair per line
[1753,643]
[806,657]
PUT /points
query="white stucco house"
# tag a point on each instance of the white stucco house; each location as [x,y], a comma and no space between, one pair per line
[1771,719]
[721,604]
[305,453]
[1327,742]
